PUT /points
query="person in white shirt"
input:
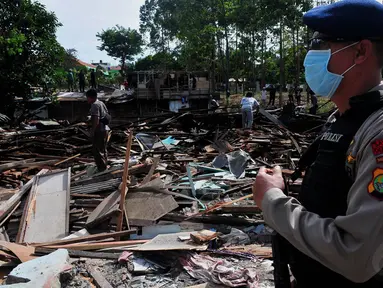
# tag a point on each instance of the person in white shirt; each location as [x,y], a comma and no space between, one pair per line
[248,104]
[264,96]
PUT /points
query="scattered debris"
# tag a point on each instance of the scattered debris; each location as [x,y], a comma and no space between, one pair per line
[174,209]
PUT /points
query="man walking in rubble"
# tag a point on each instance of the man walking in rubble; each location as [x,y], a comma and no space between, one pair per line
[100,131]
[336,227]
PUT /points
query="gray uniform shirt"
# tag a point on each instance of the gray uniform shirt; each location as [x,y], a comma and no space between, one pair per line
[99,109]
[351,245]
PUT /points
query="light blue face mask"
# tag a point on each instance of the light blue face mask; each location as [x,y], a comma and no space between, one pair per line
[321,81]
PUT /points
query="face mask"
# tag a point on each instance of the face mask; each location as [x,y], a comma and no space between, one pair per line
[321,81]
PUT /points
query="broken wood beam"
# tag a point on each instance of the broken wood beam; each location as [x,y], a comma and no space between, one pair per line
[213,219]
[247,209]
[9,205]
[79,253]
[101,236]
[124,183]
[97,246]
[15,164]
[68,159]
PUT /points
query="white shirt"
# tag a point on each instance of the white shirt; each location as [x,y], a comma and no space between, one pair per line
[249,103]
[264,95]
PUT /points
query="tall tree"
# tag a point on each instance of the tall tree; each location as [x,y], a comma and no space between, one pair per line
[29,51]
[122,43]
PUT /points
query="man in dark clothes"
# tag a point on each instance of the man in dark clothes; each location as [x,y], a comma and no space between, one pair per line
[100,130]
[298,94]
[70,80]
[273,92]
[81,81]
[93,79]
[314,102]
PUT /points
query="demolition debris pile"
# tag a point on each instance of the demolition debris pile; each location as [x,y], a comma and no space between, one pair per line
[186,216]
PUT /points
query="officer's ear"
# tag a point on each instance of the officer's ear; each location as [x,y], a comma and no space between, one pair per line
[363,51]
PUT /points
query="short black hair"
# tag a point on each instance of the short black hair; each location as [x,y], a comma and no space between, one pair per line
[249,94]
[91,93]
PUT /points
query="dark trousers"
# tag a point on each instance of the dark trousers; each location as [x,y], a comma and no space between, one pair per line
[298,100]
[272,99]
[100,141]
[93,84]
[82,86]
[70,86]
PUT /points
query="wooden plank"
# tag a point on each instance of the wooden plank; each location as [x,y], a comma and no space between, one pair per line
[9,205]
[15,164]
[124,184]
[79,253]
[99,279]
[10,214]
[220,205]
[100,236]
[66,160]
[144,208]
[105,210]
[96,246]
[47,217]
[148,177]
[24,253]
[247,209]
[91,196]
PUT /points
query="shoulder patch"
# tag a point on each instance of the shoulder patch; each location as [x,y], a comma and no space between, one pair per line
[375,187]
[377,147]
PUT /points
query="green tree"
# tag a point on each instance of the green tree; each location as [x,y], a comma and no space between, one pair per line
[160,61]
[29,51]
[122,43]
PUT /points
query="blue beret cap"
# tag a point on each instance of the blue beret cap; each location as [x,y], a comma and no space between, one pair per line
[348,20]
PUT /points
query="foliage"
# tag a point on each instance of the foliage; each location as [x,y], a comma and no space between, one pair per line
[122,43]
[28,48]
[234,38]
[159,61]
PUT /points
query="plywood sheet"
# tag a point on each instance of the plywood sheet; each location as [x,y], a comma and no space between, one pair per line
[106,209]
[47,216]
[144,208]
[170,242]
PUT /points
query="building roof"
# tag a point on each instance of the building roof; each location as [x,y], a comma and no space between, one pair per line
[82,63]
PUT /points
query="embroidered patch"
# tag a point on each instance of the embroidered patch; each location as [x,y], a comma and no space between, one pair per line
[375,188]
[377,147]
[351,159]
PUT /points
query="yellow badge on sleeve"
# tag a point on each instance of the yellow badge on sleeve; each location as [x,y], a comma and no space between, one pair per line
[375,188]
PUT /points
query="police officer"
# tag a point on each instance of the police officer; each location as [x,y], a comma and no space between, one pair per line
[336,226]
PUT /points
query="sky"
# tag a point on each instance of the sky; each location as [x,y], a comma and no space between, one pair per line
[83,19]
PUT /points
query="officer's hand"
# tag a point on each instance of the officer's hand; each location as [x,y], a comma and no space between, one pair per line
[267,179]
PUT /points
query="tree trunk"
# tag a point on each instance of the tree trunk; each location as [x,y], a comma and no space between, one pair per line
[227,74]
[298,70]
[212,68]
[281,65]
[295,54]
[122,71]
[263,80]
[253,53]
